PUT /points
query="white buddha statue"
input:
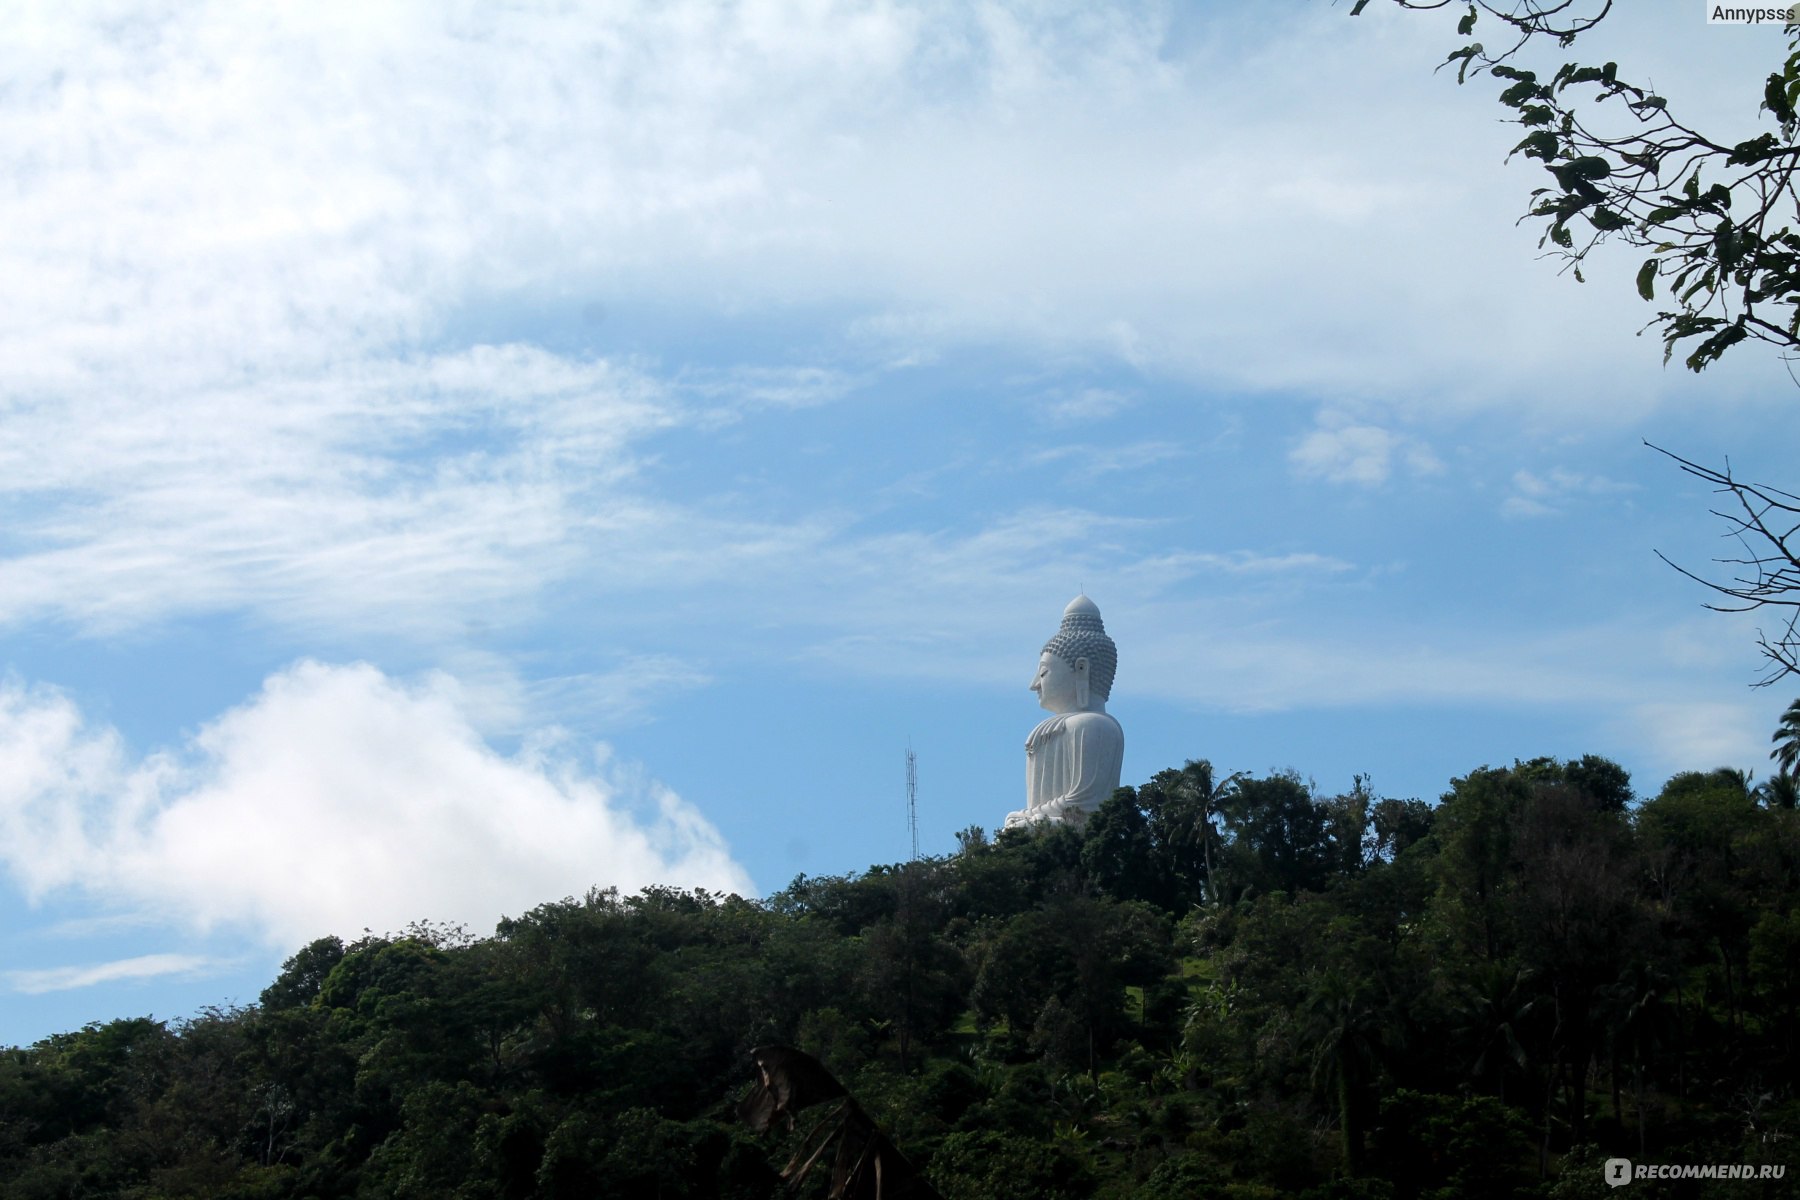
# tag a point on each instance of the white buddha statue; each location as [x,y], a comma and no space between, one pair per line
[1073,758]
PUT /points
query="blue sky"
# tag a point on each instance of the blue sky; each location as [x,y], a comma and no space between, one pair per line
[455,456]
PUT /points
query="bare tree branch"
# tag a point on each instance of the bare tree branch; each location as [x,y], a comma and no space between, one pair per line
[1765,522]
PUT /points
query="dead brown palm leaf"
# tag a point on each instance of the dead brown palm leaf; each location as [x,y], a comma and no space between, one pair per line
[865,1165]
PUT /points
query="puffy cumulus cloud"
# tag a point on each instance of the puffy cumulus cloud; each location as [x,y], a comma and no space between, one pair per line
[1341,450]
[334,800]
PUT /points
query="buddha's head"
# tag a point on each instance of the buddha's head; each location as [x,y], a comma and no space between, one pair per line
[1075,670]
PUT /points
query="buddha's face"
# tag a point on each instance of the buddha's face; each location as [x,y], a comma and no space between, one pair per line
[1055,684]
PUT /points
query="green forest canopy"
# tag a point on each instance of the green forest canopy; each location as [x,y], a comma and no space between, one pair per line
[1217,988]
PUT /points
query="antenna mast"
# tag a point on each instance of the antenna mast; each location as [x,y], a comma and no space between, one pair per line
[912,798]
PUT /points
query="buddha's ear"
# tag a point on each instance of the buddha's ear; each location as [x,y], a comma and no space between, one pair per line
[1081,683]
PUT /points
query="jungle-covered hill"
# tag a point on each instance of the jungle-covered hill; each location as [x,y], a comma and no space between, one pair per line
[1218,988]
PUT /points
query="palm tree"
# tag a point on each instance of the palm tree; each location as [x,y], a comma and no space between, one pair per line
[1494,1009]
[1640,1022]
[1343,1021]
[1198,795]
[1787,740]
[1780,791]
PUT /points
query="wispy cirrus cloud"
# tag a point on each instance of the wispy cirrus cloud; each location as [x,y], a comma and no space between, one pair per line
[1546,493]
[267,361]
[41,980]
[1086,404]
[397,493]
[1090,461]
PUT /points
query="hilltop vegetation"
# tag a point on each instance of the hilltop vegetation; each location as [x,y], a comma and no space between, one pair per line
[1218,988]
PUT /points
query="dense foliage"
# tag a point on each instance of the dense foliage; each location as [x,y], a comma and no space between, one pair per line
[1234,988]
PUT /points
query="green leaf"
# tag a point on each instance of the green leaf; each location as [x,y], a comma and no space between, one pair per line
[1775,99]
[1466,26]
[1703,284]
[1606,220]
[1646,279]
[1732,245]
[1467,54]
[1535,114]
[1716,345]
[1356,9]
[1683,325]
[1541,144]
[1526,89]
[1754,150]
[1580,191]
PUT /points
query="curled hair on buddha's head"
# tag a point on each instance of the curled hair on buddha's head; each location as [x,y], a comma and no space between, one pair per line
[1083,636]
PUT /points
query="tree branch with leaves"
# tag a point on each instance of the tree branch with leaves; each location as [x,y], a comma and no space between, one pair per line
[1716,214]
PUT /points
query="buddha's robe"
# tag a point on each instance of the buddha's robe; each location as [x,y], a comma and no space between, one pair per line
[1072,765]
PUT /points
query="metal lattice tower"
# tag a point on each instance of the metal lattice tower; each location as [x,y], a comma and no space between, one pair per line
[912,799]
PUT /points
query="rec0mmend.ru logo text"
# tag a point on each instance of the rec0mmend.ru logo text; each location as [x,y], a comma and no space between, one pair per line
[1621,1171]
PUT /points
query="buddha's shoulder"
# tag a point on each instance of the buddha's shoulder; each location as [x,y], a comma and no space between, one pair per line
[1092,724]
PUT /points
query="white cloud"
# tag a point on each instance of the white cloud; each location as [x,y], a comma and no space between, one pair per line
[1090,461]
[1265,657]
[211,186]
[1543,494]
[1340,450]
[39,980]
[1086,404]
[401,494]
[622,695]
[1701,734]
[739,389]
[1246,562]
[260,255]
[336,799]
